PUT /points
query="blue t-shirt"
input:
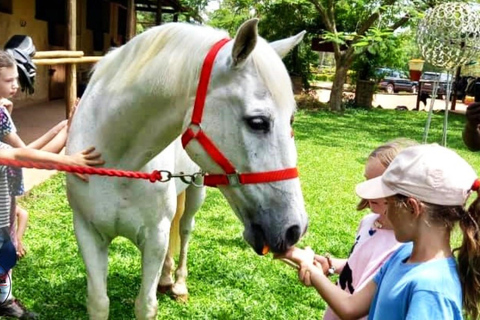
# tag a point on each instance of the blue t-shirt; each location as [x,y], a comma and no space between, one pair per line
[423,291]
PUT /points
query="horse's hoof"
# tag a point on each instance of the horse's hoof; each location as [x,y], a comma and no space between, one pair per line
[182,298]
[164,289]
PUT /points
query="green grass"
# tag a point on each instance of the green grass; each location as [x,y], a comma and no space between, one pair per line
[227,279]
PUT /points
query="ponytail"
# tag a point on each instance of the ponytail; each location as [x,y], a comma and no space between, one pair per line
[469,258]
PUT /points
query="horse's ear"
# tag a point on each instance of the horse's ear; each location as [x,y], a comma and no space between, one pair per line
[245,42]
[284,46]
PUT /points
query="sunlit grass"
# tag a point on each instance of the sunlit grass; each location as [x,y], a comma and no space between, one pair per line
[227,279]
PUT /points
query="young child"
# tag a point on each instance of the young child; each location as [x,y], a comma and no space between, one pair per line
[426,188]
[9,306]
[375,241]
[53,141]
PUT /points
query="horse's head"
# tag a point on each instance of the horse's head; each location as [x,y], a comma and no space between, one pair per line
[247,115]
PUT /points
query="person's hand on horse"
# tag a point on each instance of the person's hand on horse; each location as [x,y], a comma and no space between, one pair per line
[87,157]
[72,113]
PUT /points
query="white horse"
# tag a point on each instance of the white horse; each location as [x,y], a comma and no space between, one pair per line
[236,128]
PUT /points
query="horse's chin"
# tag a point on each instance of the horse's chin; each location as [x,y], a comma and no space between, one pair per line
[254,236]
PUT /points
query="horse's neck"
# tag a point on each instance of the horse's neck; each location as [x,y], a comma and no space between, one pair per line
[129,133]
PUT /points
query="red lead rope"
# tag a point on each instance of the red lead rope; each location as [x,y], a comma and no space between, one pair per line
[231,176]
[152,177]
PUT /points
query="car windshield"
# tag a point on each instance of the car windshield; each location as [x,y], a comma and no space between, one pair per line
[442,77]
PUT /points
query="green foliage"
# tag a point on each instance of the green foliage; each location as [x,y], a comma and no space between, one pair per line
[383,49]
[295,16]
[227,280]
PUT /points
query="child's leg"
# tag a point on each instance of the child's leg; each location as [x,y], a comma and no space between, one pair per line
[5,287]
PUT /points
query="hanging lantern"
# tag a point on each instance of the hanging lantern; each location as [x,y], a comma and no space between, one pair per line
[449,34]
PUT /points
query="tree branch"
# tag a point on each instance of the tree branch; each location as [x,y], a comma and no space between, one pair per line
[327,15]
[373,17]
[400,23]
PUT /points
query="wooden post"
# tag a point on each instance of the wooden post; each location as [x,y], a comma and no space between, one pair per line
[158,20]
[71,68]
[131,20]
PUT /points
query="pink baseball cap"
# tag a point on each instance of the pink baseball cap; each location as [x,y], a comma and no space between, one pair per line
[429,173]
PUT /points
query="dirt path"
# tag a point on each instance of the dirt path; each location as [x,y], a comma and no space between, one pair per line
[391,101]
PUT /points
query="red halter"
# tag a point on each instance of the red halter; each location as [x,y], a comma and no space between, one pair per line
[231,176]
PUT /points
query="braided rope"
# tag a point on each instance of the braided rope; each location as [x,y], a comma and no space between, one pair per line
[152,177]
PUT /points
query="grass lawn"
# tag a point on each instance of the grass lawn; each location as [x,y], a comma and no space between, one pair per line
[227,279]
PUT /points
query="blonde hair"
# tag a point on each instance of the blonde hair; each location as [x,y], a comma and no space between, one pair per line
[385,155]
[6,60]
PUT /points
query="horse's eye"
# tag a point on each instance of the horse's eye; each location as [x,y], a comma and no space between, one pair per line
[259,123]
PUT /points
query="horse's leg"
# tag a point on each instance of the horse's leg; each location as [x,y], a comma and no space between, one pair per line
[166,279]
[194,200]
[153,243]
[94,249]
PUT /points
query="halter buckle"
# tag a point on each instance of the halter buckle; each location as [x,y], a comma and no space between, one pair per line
[233,180]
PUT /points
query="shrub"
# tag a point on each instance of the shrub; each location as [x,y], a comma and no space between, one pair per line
[308,100]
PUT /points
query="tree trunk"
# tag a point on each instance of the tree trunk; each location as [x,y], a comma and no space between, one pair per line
[337,87]
[364,93]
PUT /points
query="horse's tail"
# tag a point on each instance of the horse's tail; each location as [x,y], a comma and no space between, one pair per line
[174,243]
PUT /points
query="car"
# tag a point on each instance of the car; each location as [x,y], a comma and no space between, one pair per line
[427,80]
[394,81]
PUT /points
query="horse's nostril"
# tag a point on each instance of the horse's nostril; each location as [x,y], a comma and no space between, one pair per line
[292,235]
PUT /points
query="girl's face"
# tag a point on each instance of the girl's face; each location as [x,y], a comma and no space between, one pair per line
[400,219]
[8,82]
[373,169]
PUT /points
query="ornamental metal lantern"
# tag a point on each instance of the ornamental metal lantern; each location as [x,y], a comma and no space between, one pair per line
[449,34]
[448,37]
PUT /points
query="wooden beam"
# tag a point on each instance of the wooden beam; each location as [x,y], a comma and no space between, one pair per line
[131,20]
[164,10]
[58,54]
[66,60]
[158,19]
[71,69]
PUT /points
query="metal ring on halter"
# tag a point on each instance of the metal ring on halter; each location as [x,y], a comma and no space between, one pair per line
[234,179]
[167,177]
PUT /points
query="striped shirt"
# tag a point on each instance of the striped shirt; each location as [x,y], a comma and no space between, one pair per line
[5,198]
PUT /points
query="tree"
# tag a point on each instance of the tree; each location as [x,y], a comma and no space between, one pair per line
[278,19]
[354,20]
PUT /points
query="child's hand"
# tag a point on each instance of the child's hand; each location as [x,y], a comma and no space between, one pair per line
[86,158]
[321,262]
[21,252]
[302,257]
[7,104]
[72,113]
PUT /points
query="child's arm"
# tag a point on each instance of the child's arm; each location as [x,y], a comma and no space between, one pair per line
[14,140]
[345,305]
[86,157]
[51,135]
[22,219]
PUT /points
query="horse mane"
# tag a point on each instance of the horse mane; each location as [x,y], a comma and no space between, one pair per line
[162,55]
